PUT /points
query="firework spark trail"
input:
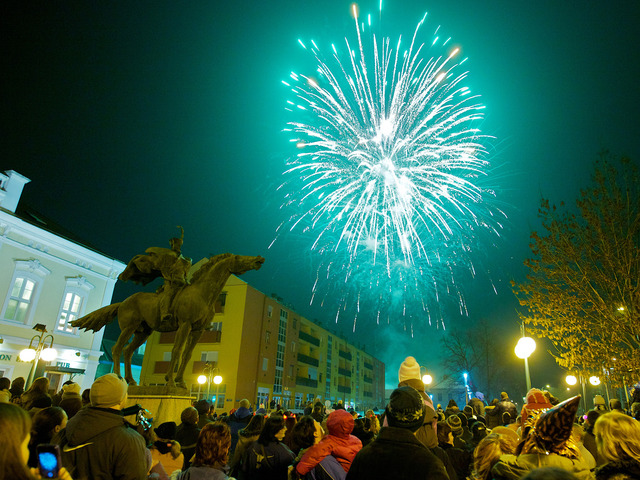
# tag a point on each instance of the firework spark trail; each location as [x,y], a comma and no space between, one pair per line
[388,167]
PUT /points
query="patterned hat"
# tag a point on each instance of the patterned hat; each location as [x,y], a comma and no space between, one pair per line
[552,430]
[405,409]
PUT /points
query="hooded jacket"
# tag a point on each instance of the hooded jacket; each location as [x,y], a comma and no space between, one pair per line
[237,421]
[339,443]
[97,444]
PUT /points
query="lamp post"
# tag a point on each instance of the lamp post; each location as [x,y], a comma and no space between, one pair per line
[572,380]
[524,348]
[210,369]
[202,379]
[34,354]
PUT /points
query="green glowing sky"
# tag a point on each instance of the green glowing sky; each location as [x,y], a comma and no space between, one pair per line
[133,117]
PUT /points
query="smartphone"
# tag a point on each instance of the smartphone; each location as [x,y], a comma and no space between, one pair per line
[48,460]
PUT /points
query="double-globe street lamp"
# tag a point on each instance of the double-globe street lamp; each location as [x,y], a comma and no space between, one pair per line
[39,351]
[593,380]
[217,380]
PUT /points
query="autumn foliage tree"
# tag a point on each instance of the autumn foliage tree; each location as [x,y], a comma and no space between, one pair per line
[582,289]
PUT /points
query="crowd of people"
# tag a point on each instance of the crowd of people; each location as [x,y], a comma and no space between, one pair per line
[98,439]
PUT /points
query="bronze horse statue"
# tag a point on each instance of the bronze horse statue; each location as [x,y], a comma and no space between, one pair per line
[193,309]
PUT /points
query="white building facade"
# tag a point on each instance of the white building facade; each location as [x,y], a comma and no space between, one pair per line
[48,280]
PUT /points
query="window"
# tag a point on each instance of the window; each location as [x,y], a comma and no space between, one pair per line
[20,299]
[211,357]
[74,299]
[267,337]
[71,306]
[269,310]
[166,356]
[265,364]
[293,347]
[216,327]
[19,305]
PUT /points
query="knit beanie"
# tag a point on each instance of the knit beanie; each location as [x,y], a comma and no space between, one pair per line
[108,390]
[456,425]
[536,404]
[70,390]
[405,409]
[189,415]
[410,368]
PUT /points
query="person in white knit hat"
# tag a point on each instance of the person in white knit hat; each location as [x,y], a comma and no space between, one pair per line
[409,375]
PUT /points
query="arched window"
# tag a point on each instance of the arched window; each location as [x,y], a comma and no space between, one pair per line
[26,285]
[73,304]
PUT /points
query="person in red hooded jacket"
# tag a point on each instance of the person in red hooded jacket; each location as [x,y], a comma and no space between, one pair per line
[339,443]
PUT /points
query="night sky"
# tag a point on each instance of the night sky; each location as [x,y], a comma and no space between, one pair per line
[133,117]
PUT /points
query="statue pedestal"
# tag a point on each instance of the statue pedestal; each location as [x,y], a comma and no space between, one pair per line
[165,403]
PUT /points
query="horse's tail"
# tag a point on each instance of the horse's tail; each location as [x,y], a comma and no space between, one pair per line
[98,319]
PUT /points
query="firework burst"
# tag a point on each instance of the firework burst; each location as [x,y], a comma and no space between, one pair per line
[387,181]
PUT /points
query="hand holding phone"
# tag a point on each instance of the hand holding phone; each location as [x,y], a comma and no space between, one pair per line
[48,460]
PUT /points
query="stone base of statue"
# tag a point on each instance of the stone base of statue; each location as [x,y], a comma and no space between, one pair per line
[165,403]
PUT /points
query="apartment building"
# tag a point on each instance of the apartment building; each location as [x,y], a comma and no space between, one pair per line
[268,353]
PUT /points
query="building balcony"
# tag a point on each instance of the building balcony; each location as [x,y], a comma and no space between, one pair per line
[208,336]
[344,372]
[345,355]
[163,367]
[308,360]
[306,382]
[198,367]
[309,338]
[344,389]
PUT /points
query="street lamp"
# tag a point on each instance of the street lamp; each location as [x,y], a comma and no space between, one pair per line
[524,348]
[202,379]
[34,354]
[217,380]
[210,369]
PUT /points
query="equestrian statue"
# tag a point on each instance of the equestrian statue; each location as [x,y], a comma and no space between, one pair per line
[179,305]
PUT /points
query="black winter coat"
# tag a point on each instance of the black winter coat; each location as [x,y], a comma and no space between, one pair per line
[396,453]
[97,444]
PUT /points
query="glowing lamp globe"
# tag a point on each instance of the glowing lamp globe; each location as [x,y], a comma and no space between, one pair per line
[217,379]
[27,355]
[571,380]
[594,381]
[202,379]
[48,354]
[525,347]
[427,379]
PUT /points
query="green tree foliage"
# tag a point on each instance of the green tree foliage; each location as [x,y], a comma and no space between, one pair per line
[582,289]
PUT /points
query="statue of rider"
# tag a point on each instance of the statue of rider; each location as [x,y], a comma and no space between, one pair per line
[167,263]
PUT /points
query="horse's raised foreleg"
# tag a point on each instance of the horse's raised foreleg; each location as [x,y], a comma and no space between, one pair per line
[182,334]
[194,336]
[124,337]
[138,339]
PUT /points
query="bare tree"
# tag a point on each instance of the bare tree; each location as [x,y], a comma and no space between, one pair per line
[475,350]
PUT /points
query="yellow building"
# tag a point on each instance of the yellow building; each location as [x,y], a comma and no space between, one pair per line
[269,354]
[46,281]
